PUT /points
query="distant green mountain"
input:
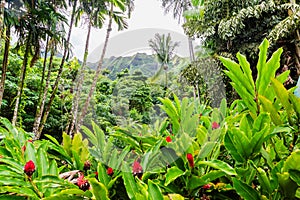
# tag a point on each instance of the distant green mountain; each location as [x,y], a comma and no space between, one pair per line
[143,62]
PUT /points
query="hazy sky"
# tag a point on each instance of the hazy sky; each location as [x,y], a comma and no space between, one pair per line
[147,14]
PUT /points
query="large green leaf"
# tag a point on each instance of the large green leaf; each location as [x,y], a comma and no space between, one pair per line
[220,165]
[269,71]
[197,181]
[91,136]
[246,69]
[232,148]
[264,181]
[22,190]
[269,107]
[67,143]
[287,185]
[129,181]
[42,162]
[67,194]
[172,174]
[102,175]
[154,191]
[295,176]
[99,190]
[292,162]
[244,190]
[261,64]
[206,149]
[236,75]
[16,165]
[283,95]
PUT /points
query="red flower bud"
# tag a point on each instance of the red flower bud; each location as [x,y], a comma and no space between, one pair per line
[206,187]
[29,168]
[137,169]
[110,171]
[82,183]
[190,158]
[23,148]
[96,175]
[87,165]
[215,125]
[168,139]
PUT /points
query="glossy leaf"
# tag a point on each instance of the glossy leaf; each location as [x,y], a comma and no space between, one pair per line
[129,182]
[172,174]
[154,191]
[220,165]
[244,190]
[99,190]
[197,181]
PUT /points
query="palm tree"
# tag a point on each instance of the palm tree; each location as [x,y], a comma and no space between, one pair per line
[178,7]
[119,19]
[32,29]
[56,38]
[42,116]
[6,13]
[94,11]
[164,48]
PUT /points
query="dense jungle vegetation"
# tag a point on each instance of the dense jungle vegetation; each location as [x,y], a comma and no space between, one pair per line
[221,124]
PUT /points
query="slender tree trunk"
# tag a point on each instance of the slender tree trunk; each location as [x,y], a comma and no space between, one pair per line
[41,100]
[99,67]
[22,80]
[4,63]
[80,80]
[191,49]
[190,42]
[41,123]
[41,107]
[44,67]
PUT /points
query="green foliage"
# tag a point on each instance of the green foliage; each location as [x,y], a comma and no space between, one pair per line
[228,27]
[204,75]
[16,150]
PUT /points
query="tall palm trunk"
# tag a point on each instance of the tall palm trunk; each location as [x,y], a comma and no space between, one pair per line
[191,49]
[80,80]
[41,100]
[190,40]
[41,107]
[99,67]
[4,63]
[40,124]
[22,80]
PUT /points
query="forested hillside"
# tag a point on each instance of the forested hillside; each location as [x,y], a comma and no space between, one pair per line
[143,62]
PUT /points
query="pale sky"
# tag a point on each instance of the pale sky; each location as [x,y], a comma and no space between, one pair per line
[147,14]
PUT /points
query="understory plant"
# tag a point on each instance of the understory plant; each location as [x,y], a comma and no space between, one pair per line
[246,150]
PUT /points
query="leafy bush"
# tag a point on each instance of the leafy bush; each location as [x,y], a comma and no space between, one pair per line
[247,150]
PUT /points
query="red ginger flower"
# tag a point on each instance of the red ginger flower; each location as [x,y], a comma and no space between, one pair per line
[110,171]
[137,169]
[215,125]
[168,139]
[206,187]
[29,168]
[82,183]
[190,158]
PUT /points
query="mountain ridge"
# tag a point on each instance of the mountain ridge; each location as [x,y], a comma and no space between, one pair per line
[143,62]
